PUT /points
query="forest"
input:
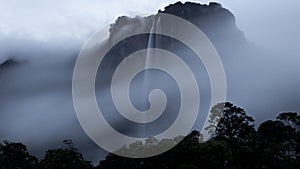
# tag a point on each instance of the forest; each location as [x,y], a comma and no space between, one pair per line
[235,144]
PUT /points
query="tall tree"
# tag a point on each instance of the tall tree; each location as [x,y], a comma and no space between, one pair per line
[235,124]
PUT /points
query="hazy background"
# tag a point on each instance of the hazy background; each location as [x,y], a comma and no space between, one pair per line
[46,36]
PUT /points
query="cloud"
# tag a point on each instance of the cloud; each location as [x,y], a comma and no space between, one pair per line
[44,20]
[44,37]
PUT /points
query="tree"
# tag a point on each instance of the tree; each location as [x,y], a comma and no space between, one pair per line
[291,118]
[214,118]
[235,124]
[67,158]
[233,134]
[16,156]
[278,145]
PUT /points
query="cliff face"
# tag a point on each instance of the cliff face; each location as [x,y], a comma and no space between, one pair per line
[215,21]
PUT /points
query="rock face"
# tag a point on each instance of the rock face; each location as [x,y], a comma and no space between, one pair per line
[215,21]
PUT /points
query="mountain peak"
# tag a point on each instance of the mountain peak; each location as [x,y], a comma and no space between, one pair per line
[217,22]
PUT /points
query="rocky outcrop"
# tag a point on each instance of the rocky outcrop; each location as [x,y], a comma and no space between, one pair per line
[215,21]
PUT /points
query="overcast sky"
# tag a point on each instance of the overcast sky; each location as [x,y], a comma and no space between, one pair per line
[261,20]
[42,32]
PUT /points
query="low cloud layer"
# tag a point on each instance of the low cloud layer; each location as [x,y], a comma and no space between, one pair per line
[44,39]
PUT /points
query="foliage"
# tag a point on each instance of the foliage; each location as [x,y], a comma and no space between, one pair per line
[235,144]
[68,158]
[15,155]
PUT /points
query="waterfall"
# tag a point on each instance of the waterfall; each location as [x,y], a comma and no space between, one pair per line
[150,57]
[152,42]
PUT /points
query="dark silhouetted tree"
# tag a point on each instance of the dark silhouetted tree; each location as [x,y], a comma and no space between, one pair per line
[67,158]
[277,145]
[235,124]
[291,118]
[16,156]
[235,145]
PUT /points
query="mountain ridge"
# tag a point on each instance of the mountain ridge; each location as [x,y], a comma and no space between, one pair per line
[218,24]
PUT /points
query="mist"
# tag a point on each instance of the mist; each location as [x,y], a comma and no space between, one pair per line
[43,40]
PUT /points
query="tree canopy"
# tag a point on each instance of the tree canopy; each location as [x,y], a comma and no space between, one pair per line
[235,144]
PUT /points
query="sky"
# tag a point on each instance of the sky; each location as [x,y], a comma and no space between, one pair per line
[35,99]
[44,20]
